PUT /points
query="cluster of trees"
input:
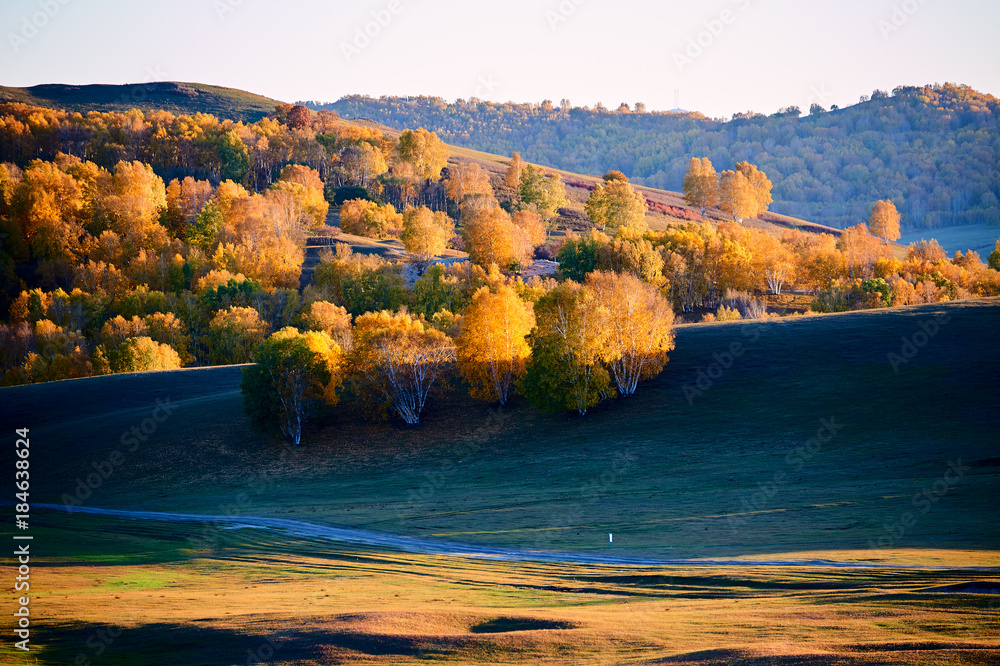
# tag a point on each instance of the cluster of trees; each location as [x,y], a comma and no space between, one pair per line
[565,346]
[743,193]
[201,146]
[118,268]
[932,150]
[504,232]
[697,264]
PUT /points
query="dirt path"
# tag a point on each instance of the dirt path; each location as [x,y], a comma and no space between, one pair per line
[438,547]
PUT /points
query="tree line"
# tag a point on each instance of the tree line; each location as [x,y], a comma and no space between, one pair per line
[116,269]
[932,150]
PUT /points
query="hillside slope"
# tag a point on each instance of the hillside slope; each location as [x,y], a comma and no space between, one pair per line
[730,470]
[180,98]
[934,150]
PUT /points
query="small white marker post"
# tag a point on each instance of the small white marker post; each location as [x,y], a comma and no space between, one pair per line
[609,540]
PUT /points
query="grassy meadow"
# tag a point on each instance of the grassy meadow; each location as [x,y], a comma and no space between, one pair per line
[127,592]
[806,445]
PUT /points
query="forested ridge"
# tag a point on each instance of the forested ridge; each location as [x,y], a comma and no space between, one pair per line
[933,151]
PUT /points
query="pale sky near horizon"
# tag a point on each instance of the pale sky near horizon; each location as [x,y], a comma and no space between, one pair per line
[723,56]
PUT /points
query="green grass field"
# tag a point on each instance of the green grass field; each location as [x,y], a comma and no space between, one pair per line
[909,476]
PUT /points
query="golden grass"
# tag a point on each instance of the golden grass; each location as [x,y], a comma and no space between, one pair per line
[353,606]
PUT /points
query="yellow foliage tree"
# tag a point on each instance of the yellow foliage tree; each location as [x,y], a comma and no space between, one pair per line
[489,238]
[234,333]
[367,218]
[701,184]
[132,201]
[467,180]
[398,358]
[48,207]
[736,197]
[425,151]
[492,345]
[884,221]
[426,233]
[616,205]
[744,193]
[639,323]
[512,178]
[363,164]
[861,251]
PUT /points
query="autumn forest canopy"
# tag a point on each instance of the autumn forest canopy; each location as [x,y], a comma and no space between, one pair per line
[148,240]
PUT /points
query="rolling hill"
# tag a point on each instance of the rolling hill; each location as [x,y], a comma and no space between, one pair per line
[689,467]
[933,150]
[180,98]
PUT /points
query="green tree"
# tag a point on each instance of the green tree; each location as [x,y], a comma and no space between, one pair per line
[579,255]
[546,192]
[617,206]
[290,371]
[206,227]
[234,156]
[565,370]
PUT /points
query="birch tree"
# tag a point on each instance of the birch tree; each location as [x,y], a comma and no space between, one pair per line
[398,358]
[492,345]
[638,322]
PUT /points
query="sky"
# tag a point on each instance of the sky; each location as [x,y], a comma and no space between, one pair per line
[719,56]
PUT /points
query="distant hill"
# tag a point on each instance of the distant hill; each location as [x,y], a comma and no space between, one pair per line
[934,150]
[179,98]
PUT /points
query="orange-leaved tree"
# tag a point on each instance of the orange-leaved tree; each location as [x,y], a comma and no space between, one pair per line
[884,221]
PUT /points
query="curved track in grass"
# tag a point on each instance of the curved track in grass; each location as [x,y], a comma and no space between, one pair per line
[439,547]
